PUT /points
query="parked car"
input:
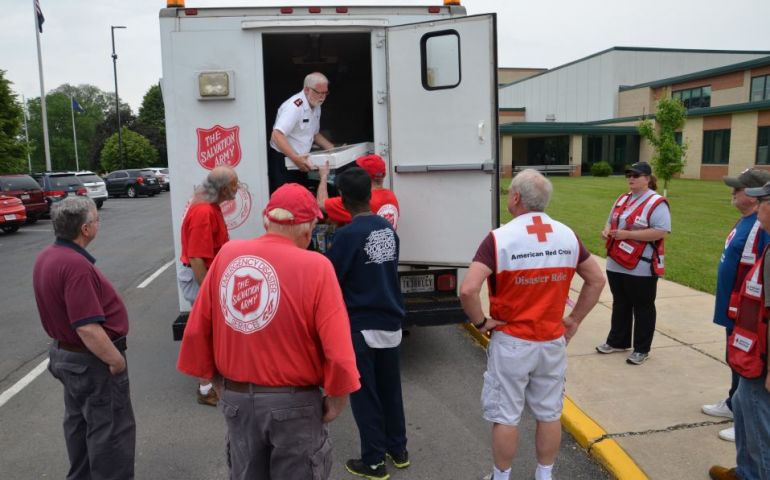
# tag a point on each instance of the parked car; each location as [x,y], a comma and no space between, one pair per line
[97,189]
[132,183]
[26,189]
[12,213]
[59,185]
[161,173]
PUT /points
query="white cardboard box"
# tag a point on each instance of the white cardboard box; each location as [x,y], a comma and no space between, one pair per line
[337,157]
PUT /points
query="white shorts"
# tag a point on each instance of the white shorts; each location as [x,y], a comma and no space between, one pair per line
[523,371]
[187,284]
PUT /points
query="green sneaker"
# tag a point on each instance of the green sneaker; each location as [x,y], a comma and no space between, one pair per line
[371,472]
[400,460]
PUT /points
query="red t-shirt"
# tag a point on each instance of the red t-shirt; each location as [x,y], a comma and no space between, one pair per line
[71,292]
[272,314]
[383,202]
[203,232]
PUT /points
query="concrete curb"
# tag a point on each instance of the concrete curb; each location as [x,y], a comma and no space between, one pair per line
[587,433]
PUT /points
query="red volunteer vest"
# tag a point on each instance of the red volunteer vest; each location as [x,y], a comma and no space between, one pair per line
[748,259]
[536,260]
[747,345]
[627,253]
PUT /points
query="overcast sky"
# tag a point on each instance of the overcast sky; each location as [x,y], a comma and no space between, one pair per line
[540,33]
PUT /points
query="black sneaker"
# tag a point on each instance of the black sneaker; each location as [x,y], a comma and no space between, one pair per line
[358,467]
[400,460]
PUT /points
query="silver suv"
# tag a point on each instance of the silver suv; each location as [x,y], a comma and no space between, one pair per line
[95,185]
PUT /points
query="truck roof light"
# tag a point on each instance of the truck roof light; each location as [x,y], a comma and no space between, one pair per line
[342,9]
[451,2]
[213,84]
[286,10]
[434,9]
[175,3]
[191,12]
[314,9]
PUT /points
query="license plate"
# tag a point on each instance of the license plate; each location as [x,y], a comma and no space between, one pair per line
[11,216]
[94,189]
[70,194]
[24,196]
[417,284]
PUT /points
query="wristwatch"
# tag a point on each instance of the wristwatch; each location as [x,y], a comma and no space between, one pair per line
[481,324]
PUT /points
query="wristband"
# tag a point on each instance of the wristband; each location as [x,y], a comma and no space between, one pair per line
[481,324]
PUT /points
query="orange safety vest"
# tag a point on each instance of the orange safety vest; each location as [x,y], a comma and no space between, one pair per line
[627,253]
[747,345]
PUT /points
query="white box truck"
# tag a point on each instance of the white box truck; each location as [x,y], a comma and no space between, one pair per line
[420,83]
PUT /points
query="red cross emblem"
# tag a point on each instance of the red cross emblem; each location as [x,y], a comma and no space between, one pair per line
[539,228]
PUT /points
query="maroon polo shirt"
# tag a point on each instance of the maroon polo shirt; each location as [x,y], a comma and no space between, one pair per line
[71,292]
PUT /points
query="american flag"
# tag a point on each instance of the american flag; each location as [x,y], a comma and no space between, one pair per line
[40,17]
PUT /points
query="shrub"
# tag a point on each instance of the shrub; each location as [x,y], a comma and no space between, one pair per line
[601,169]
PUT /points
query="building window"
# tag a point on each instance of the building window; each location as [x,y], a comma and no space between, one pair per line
[678,138]
[760,88]
[694,97]
[763,146]
[716,147]
[440,60]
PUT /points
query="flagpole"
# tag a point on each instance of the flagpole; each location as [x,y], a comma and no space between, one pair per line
[74,134]
[42,91]
[26,131]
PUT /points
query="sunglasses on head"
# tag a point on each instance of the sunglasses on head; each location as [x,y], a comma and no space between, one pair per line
[633,175]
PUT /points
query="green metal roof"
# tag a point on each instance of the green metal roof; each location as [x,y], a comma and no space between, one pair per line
[723,109]
[565,128]
[711,72]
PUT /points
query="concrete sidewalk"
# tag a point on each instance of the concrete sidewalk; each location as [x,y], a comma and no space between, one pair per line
[645,421]
[653,411]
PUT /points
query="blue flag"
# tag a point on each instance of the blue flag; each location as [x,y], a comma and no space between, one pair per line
[76,106]
[40,17]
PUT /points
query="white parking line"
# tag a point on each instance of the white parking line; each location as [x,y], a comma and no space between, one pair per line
[19,386]
[155,275]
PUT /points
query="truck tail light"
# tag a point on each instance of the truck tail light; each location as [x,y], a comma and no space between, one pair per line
[140,180]
[342,9]
[434,9]
[55,193]
[191,12]
[314,10]
[287,10]
[446,282]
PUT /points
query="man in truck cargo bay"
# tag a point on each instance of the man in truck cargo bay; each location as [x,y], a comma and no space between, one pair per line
[297,127]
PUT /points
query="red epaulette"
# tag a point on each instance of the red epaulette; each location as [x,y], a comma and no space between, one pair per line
[298,102]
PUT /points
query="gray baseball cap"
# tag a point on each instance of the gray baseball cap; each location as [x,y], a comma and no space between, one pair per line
[763,191]
[749,178]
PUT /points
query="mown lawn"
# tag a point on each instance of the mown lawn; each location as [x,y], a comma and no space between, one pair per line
[701,217]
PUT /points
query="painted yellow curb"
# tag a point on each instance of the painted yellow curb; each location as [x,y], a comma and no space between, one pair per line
[588,433]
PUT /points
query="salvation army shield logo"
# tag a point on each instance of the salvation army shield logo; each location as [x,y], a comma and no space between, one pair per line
[390,213]
[218,146]
[236,211]
[249,294]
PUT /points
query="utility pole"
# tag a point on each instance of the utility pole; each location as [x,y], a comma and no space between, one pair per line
[117,98]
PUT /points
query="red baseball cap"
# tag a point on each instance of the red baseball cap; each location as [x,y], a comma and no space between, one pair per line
[295,199]
[373,164]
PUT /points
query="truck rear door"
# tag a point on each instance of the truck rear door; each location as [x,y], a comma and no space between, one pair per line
[442,99]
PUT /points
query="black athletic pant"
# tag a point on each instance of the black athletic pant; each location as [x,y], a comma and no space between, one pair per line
[633,307]
[278,174]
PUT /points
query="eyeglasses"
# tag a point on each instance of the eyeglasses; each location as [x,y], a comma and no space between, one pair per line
[633,175]
[323,94]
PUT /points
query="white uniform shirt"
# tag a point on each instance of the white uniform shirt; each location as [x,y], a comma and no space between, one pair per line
[299,122]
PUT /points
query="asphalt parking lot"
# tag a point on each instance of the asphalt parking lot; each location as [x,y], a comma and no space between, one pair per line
[176,437]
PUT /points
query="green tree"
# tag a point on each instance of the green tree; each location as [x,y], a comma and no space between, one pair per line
[12,147]
[93,126]
[151,122]
[137,150]
[668,159]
